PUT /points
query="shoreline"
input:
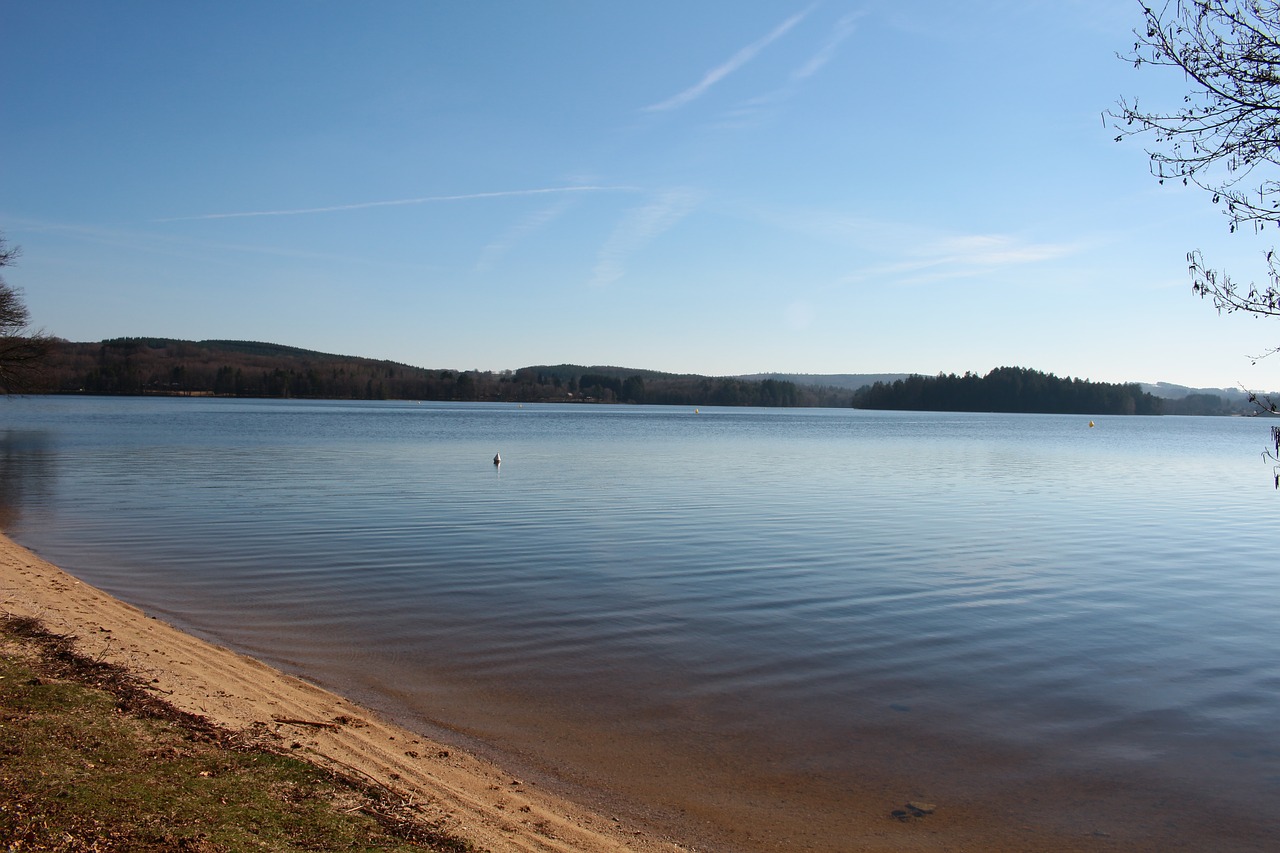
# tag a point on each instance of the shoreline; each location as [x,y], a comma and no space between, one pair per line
[473,794]
[472,797]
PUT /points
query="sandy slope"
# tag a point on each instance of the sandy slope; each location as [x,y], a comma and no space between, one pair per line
[475,799]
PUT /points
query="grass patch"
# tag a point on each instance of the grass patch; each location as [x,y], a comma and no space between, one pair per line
[92,760]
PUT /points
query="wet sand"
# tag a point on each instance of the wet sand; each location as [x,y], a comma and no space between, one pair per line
[500,810]
[476,799]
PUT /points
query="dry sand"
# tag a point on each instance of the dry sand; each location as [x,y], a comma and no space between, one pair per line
[474,799]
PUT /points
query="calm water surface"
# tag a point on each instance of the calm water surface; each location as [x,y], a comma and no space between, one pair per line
[770,624]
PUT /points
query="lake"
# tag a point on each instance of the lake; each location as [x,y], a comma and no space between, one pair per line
[767,626]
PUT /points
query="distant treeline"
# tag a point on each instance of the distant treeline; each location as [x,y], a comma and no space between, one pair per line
[1008,389]
[162,366]
[1208,404]
[617,384]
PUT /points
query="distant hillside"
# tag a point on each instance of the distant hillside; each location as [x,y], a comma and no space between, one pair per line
[655,387]
[265,349]
[850,381]
[164,366]
[1182,400]
[133,366]
[1170,391]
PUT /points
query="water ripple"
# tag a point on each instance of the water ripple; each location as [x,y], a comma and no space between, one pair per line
[1098,599]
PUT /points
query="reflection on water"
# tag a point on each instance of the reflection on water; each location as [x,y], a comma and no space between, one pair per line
[25,471]
[794,620]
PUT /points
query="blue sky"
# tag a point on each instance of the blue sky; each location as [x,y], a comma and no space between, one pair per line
[713,187]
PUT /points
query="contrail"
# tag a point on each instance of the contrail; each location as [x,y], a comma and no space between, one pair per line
[739,59]
[398,201]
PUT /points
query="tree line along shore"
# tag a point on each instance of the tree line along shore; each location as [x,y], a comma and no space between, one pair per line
[168,367]
[161,366]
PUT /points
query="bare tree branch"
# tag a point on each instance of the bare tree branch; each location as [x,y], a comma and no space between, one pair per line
[1224,136]
[22,349]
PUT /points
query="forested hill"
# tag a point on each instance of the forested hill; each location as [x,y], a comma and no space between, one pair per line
[1008,389]
[136,366]
[850,381]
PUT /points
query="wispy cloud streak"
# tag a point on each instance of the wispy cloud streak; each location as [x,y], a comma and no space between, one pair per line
[399,202]
[637,229]
[899,253]
[135,242]
[739,59]
[963,256]
[755,110]
[843,29]
[522,230]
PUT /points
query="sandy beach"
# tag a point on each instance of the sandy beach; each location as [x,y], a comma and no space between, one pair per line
[473,798]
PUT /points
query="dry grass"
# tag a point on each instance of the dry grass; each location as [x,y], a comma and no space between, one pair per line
[91,760]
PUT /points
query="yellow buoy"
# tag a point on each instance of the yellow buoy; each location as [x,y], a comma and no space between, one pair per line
[1091,424]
